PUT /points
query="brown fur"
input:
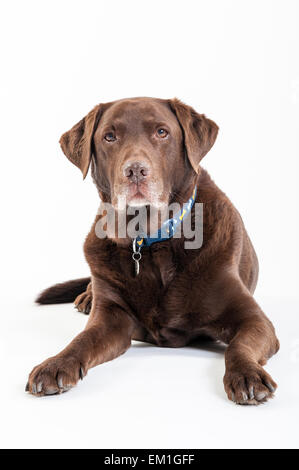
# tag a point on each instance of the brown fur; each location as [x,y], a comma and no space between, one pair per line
[64,292]
[179,294]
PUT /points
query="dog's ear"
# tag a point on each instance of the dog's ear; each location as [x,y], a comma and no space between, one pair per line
[199,132]
[77,142]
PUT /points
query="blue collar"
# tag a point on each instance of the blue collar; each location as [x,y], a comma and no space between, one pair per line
[166,231]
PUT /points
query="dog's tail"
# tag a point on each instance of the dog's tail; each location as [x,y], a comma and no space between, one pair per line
[64,292]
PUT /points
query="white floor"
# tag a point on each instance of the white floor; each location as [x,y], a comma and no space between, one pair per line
[148,398]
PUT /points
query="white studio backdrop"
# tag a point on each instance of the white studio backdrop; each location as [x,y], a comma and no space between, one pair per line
[234,60]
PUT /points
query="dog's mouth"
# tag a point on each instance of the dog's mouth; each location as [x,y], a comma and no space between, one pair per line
[138,195]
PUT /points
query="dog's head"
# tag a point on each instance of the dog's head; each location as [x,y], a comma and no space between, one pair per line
[143,150]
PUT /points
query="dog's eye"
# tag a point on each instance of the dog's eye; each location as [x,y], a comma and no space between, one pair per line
[162,133]
[110,137]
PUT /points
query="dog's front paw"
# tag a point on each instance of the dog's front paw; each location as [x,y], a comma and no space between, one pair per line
[55,375]
[250,386]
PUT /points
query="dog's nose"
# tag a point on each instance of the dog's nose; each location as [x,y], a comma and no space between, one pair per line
[136,171]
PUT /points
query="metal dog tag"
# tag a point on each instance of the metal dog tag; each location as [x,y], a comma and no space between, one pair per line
[136,257]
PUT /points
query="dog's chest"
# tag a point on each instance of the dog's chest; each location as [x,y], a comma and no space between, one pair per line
[147,281]
[161,296]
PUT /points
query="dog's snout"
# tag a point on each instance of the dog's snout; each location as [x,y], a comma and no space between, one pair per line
[136,171]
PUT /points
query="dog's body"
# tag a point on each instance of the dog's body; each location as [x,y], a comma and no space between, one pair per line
[179,294]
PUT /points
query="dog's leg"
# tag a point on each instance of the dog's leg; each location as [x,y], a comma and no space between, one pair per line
[107,335]
[252,340]
[83,304]
[83,301]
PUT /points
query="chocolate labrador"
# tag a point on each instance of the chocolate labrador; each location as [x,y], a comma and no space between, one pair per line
[147,152]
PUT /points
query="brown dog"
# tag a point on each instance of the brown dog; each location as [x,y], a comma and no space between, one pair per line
[149,151]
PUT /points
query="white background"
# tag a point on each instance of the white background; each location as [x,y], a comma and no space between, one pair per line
[236,61]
